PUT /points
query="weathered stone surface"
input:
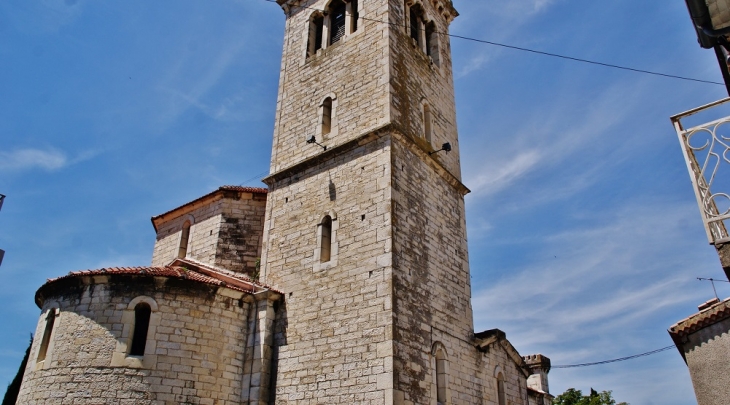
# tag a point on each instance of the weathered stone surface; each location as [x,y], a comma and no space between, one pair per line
[366,239]
[197,346]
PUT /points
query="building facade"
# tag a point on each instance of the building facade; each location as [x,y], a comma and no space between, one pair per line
[362,291]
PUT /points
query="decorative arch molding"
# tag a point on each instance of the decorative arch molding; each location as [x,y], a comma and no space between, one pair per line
[143,299]
[121,356]
[321,262]
[498,370]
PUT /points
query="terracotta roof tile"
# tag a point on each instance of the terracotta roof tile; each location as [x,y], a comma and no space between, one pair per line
[166,271]
[253,190]
[709,316]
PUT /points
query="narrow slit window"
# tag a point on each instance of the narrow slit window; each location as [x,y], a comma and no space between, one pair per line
[432,42]
[142,314]
[316,29]
[355,14]
[184,239]
[326,240]
[427,122]
[415,25]
[500,389]
[47,331]
[440,377]
[337,13]
[327,116]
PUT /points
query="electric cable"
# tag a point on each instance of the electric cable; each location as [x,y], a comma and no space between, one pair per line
[258,176]
[555,55]
[614,360]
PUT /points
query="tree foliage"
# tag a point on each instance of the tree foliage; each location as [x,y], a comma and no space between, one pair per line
[576,397]
[11,395]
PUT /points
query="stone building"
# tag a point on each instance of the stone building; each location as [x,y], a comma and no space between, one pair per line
[362,291]
[703,340]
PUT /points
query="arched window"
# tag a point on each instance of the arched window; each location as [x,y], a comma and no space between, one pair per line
[184,239]
[337,12]
[415,24]
[316,30]
[326,239]
[354,15]
[427,122]
[432,42]
[500,389]
[47,331]
[142,312]
[327,116]
[440,376]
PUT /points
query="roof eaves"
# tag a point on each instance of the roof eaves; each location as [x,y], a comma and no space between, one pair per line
[220,190]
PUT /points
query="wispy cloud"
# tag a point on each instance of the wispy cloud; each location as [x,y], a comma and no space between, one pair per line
[582,284]
[547,140]
[193,96]
[26,159]
[498,175]
[475,62]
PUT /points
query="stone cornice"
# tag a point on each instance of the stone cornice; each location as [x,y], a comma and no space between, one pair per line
[366,138]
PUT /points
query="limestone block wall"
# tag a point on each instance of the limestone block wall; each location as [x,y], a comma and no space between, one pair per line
[430,278]
[496,360]
[354,72]
[226,231]
[416,80]
[240,233]
[202,243]
[194,353]
[333,337]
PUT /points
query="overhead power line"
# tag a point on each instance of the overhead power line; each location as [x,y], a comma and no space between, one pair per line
[554,55]
[255,177]
[615,360]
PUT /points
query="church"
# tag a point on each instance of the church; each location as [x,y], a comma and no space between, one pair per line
[344,281]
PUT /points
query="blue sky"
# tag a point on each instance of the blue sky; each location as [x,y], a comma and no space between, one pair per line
[584,236]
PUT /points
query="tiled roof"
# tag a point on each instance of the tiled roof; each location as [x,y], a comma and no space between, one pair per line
[219,273]
[709,316]
[255,190]
[239,283]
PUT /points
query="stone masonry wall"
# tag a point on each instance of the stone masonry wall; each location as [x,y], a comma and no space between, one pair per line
[415,79]
[333,337]
[240,233]
[353,71]
[226,232]
[203,239]
[515,382]
[430,279]
[198,345]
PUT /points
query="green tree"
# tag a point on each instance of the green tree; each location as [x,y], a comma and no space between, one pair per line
[11,395]
[575,397]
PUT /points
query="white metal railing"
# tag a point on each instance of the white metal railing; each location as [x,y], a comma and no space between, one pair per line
[706,150]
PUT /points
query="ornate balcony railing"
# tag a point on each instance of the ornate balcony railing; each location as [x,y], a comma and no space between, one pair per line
[706,149]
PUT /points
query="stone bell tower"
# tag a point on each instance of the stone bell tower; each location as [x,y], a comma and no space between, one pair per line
[365,229]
